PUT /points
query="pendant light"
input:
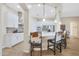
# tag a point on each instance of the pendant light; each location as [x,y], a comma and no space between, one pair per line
[43,11]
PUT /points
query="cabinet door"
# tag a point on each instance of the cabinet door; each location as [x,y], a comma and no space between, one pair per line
[12,19]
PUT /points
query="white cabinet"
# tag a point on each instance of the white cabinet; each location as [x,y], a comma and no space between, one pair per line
[12,19]
[12,39]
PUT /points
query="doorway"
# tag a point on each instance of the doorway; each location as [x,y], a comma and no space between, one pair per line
[73,29]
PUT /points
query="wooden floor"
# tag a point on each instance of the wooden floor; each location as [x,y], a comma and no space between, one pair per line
[71,50]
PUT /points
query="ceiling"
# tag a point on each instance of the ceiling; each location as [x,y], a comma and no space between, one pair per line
[36,9]
[14,6]
[42,10]
[67,9]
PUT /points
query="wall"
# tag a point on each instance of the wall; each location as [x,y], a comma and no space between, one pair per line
[0,32]
[68,20]
[70,9]
[26,31]
[2,27]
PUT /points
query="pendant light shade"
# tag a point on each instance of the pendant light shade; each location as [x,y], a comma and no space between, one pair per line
[43,19]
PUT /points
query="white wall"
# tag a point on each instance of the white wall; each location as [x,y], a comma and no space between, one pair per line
[0,32]
[26,46]
[70,9]
[2,27]
[67,21]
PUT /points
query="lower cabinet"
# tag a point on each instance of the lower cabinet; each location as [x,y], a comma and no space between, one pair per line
[12,39]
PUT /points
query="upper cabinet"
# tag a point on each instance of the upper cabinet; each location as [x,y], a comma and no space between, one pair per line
[12,19]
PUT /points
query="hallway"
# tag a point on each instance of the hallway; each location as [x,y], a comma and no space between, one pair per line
[18,50]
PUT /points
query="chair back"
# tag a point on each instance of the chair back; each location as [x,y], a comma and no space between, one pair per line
[35,37]
[65,34]
[34,34]
[58,36]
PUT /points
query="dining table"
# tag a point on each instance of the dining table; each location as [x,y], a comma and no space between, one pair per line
[48,35]
[45,37]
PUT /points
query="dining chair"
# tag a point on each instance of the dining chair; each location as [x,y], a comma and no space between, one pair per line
[35,42]
[54,44]
[64,39]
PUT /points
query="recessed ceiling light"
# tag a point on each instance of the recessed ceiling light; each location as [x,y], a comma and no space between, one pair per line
[39,5]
